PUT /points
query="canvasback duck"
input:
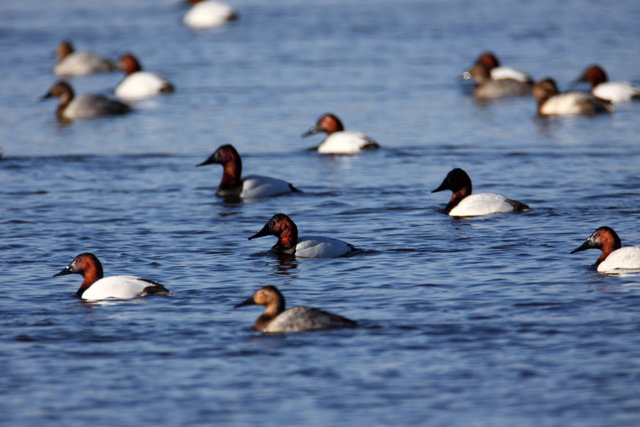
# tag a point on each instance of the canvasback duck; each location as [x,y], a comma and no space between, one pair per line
[80,62]
[97,287]
[233,185]
[85,106]
[281,226]
[498,72]
[463,203]
[602,88]
[551,102]
[276,319]
[138,84]
[489,88]
[338,140]
[208,14]
[613,255]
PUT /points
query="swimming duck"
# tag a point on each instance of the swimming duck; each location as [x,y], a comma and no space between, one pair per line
[138,84]
[85,106]
[551,102]
[281,226]
[613,255]
[97,287]
[602,88]
[79,62]
[463,203]
[498,72]
[208,14]
[489,88]
[276,319]
[250,187]
[339,141]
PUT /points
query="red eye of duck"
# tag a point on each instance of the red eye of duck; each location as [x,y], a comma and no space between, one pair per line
[597,235]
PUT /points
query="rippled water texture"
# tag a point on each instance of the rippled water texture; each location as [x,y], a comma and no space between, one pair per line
[484,321]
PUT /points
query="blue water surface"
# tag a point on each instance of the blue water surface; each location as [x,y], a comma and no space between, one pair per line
[486,321]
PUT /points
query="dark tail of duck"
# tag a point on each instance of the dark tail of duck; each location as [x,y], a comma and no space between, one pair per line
[518,206]
[154,288]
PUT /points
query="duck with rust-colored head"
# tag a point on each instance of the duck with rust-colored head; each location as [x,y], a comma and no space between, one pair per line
[138,84]
[613,256]
[233,185]
[338,140]
[281,226]
[97,287]
[601,87]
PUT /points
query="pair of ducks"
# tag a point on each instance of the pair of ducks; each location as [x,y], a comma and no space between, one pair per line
[234,187]
[462,203]
[136,85]
[496,81]
[276,319]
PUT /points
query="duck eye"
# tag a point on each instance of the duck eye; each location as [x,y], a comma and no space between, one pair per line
[597,235]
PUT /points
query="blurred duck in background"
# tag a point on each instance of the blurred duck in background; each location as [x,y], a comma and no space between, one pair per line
[208,14]
[79,62]
[85,106]
[499,72]
[138,84]
[601,87]
[338,140]
[489,88]
[551,102]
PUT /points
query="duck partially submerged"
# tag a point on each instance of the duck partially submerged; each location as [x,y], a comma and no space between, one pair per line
[463,203]
[233,185]
[276,319]
[97,287]
[281,226]
[613,256]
